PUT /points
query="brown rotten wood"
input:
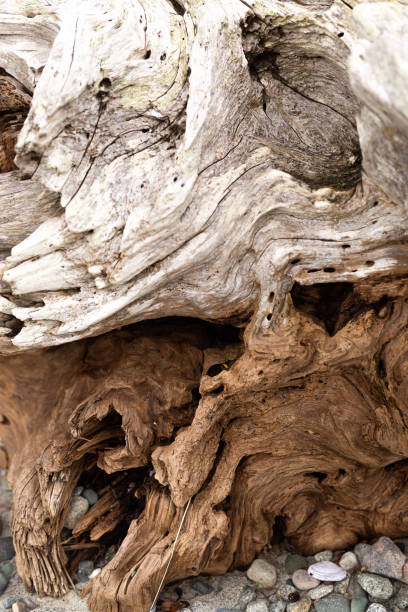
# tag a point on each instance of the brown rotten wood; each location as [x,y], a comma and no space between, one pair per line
[239,163]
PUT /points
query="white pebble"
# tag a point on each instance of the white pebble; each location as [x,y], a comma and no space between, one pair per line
[95,573]
[348,561]
[262,572]
[304,581]
[321,591]
[324,555]
[77,509]
[376,607]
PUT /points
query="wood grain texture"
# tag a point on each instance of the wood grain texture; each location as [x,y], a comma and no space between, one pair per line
[239,163]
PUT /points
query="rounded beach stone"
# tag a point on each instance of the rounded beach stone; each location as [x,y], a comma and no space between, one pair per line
[77,509]
[332,603]
[303,605]
[295,562]
[327,571]
[8,602]
[384,558]
[3,582]
[262,572]
[359,604]
[303,581]
[7,551]
[285,591]
[376,607]
[91,496]
[376,586]
[321,591]
[348,561]
[324,555]
[257,606]
[202,587]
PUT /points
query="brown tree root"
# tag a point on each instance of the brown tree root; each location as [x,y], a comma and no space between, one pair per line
[302,429]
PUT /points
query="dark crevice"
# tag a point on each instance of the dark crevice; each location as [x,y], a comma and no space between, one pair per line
[334,304]
[320,476]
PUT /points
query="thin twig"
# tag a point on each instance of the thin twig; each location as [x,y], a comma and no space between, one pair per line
[153,606]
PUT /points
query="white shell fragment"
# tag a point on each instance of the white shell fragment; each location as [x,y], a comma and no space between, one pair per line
[327,571]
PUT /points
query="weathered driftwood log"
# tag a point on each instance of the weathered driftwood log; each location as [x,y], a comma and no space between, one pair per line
[242,163]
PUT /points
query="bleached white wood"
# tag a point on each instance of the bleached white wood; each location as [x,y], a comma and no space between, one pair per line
[204,161]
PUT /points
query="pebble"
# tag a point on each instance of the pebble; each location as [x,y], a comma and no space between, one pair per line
[376,586]
[359,604]
[348,561]
[303,605]
[404,577]
[401,599]
[342,586]
[202,587]
[277,606]
[303,581]
[295,562]
[95,573]
[3,583]
[321,591]
[324,555]
[77,509]
[7,551]
[7,570]
[257,606]
[262,572]
[384,558]
[332,603]
[376,607]
[360,550]
[285,591]
[7,602]
[327,571]
[85,569]
[24,605]
[91,496]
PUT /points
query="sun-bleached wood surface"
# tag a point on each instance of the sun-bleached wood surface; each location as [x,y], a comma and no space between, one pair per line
[239,162]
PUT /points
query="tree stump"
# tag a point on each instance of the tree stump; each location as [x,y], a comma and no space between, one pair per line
[204,298]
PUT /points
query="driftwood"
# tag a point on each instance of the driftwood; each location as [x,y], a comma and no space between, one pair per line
[203,281]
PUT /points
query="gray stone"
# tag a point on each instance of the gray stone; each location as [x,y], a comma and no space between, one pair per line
[285,591]
[321,591]
[360,550]
[85,568]
[376,607]
[7,602]
[257,606]
[401,598]
[3,583]
[342,586]
[277,606]
[295,562]
[91,496]
[77,509]
[303,581]
[227,609]
[348,561]
[246,595]
[359,604]
[7,570]
[332,603]
[384,558]
[7,551]
[355,589]
[376,586]
[303,605]
[324,555]
[262,572]
[202,587]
